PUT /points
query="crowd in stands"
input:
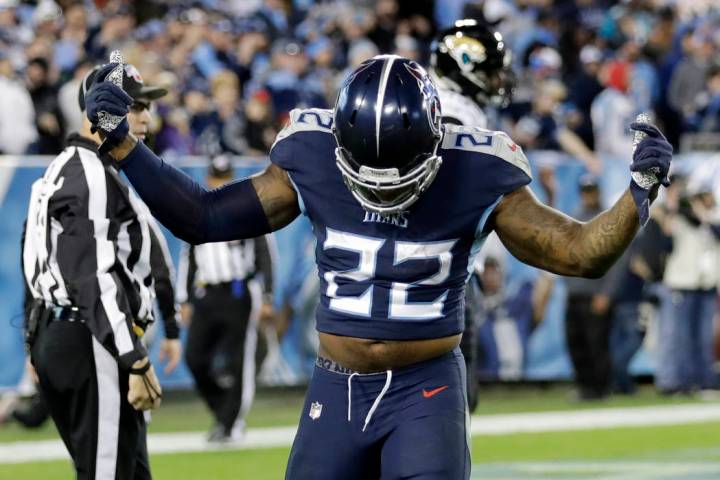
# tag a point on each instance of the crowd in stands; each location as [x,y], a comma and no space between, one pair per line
[236,68]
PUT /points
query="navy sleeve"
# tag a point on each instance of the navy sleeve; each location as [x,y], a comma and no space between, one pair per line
[189,211]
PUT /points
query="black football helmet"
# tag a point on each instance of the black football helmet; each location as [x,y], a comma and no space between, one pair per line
[473,59]
[388,128]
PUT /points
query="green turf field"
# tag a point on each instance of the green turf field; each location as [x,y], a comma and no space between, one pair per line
[667,452]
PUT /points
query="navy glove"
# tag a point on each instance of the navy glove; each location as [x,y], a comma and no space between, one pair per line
[650,167]
[107,97]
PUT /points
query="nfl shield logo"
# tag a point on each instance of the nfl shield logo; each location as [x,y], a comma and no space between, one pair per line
[315,410]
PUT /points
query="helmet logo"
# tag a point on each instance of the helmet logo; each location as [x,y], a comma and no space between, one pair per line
[429,93]
[363,66]
[464,50]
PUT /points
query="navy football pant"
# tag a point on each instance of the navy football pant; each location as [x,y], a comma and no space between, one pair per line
[408,423]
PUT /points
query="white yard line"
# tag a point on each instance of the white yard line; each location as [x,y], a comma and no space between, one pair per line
[594,418]
[591,419]
[599,470]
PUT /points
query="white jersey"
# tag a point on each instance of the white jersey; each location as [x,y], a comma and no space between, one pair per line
[459,109]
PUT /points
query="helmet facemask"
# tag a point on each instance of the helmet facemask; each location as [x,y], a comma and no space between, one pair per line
[387,191]
[388,128]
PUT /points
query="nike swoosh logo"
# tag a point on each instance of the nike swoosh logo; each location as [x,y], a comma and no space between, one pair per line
[434,391]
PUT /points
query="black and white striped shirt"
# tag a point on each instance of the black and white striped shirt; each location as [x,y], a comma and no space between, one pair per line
[223,262]
[88,244]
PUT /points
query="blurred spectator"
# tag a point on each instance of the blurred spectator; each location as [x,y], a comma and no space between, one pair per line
[542,128]
[689,76]
[584,87]
[117,25]
[289,84]
[17,114]
[632,289]
[69,47]
[48,118]
[587,314]
[509,314]
[707,114]
[542,63]
[685,350]
[68,98]
[612,112]
[386,18]
[260,132]
[276,15]
[406,46]
[643,84]
[222,127]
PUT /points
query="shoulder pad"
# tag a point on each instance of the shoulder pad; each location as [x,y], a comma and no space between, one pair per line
[476,139]
[307,120]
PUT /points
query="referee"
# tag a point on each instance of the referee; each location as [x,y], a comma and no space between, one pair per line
[86,261]
[222,301]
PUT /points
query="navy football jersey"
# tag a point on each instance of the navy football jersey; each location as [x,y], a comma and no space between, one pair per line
[397,277]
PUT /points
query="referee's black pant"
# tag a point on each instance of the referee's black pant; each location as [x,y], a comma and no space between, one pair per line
[223,323]
[86,393]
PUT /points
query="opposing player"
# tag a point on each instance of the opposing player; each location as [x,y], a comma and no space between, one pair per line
[399,205]
[470,66]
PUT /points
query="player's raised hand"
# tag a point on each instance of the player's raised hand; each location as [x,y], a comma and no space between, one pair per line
[105,96]
[652,156]
[650,166]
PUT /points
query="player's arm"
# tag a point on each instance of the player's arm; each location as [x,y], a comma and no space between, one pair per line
[243,209]
[548,239]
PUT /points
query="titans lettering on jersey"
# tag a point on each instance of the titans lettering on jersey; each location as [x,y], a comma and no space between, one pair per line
[400,277]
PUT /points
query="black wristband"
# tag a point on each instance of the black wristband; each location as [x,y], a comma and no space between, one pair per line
[140,371]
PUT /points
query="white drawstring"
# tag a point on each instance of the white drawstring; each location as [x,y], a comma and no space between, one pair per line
[350,392]
[377,400]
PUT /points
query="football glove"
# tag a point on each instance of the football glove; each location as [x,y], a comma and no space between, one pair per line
[104,96]
[650,167]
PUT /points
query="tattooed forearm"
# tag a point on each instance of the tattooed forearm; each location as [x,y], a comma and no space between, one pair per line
[277,196]
[548,239]
[605,238]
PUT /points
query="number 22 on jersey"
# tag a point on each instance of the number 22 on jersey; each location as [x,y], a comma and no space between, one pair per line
[367,248]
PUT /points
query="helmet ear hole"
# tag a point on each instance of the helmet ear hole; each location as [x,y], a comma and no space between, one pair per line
[406,121]
[352,118]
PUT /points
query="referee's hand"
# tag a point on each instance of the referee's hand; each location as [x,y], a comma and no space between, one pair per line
[144,392]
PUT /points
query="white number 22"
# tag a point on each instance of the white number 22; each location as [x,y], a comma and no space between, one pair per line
[400,307]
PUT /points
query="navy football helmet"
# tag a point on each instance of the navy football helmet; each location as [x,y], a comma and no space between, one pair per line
[388,129]
[474,60]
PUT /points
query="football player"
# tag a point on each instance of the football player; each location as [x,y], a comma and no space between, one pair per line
[400,205]
[470,65]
